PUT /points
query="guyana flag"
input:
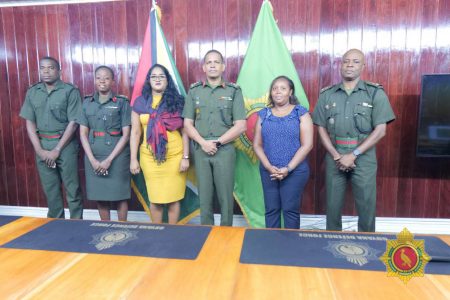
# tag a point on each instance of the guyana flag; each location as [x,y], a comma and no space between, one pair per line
[267,57]
[155,50]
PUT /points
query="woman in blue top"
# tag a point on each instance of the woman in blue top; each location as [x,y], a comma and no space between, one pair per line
[283,139]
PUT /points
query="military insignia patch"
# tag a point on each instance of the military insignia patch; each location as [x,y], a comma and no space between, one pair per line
[405,257]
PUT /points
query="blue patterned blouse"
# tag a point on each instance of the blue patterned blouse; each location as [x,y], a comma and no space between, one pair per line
[281,135]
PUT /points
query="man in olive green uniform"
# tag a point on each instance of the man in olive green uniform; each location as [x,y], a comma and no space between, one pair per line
[50,109]
[214,115]
[351,118]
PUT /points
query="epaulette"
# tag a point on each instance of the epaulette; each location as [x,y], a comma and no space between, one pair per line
[122,96]
[377,85]
[196,84]
[71,84]
[326,88]
[89,97]
[235,85]
[33,85]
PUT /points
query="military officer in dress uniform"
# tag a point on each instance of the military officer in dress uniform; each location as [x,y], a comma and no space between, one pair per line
[214,115]
[50,109]
[351,117]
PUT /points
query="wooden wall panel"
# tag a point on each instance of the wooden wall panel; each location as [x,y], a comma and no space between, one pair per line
[402,39]
[20,70]
[4,125]
[12,87]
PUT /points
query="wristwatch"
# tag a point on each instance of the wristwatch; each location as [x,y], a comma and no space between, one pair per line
[218,143]
[185,156]
[356,152]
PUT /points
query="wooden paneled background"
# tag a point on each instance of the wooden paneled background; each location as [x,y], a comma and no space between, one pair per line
[402,39]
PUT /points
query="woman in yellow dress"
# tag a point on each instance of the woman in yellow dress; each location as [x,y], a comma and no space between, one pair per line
[164,151]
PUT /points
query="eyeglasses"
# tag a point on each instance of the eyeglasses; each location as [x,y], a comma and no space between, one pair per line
[157,77]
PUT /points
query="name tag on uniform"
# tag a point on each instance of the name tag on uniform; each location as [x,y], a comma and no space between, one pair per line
[226,98]
[112,107]
[365,104]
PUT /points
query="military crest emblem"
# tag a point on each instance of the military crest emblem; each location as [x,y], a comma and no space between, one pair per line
[355,253]
[405,257]
[245,141]
[111,238]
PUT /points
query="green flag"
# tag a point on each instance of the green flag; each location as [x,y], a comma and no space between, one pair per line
[267,57]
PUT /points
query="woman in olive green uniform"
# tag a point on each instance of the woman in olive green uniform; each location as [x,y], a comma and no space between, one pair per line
[104,132]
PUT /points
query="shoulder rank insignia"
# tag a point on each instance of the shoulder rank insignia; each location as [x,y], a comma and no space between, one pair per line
[326,88]
[235,85]
[122,97]
[196,84]
[374,84]
[89,97]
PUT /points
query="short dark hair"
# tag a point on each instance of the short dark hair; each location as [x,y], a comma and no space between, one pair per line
[105,68]
[54,60]
[213,51]
[292,99]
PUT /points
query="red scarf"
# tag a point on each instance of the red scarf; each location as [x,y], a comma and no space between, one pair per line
[158,124]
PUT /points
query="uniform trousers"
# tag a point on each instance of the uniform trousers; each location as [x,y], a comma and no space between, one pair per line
[66,171]
[215,173]
[284,197]
[363,180]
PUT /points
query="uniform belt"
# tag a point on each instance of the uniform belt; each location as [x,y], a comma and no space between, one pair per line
[50,135]
[103,133]
[346,141]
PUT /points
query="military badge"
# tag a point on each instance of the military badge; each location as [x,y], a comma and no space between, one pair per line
[405,257]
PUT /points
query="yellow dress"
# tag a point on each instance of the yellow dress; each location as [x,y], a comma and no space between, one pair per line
[164,182]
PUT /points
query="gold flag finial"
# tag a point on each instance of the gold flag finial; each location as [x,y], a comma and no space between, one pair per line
[158,10]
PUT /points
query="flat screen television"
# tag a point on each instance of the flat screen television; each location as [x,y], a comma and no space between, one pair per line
[433,134]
